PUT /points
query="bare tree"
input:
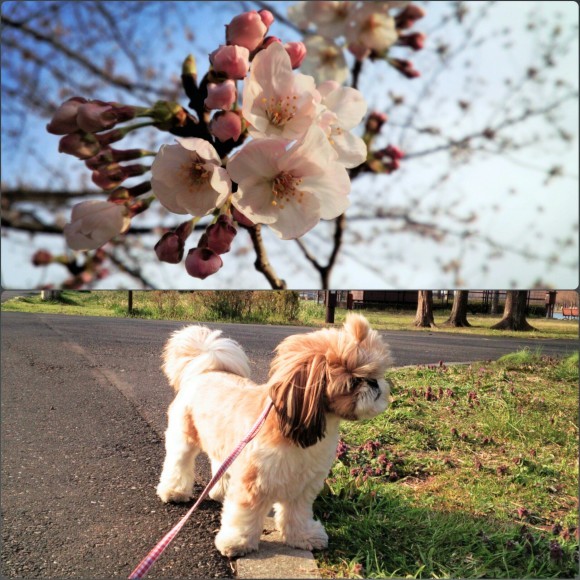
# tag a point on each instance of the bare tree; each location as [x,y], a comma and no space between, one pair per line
[514,314]
[424,317]
[458,316]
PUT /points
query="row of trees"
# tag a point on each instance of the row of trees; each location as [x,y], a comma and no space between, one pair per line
[514,315]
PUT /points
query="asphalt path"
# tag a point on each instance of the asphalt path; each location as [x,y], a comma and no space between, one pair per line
[82,420]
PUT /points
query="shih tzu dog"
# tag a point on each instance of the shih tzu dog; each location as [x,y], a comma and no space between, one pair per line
[316,380]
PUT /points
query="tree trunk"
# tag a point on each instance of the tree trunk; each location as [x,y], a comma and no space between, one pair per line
[514,314]
[494,302]
[458,317]
[49,295]
[424,317]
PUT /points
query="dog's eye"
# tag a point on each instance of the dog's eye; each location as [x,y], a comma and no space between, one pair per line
[355,382]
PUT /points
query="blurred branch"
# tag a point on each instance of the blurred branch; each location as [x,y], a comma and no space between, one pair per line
[76,56]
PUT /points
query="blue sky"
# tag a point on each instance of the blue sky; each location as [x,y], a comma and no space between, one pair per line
[401,260]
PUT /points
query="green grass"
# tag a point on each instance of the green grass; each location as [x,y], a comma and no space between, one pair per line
[471,472]
[203,307]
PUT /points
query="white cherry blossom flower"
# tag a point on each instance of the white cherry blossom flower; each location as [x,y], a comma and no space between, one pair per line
[324,60]
[277,102]
[371,26]
[331,18]
[289,187]
[342,110]
[188,177]
[94,223]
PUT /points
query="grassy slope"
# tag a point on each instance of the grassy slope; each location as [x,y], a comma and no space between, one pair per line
[472,472]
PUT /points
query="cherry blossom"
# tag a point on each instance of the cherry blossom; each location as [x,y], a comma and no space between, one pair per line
[290,188]
[344,109]
[277,102]
[372,26]
[188,177]
[324,60]
[95,222]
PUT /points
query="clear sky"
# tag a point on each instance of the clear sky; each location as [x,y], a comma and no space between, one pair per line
[509,193]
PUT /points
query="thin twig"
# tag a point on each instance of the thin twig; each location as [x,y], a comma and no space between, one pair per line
[262,263]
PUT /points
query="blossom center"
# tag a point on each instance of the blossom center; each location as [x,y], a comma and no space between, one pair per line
[280,110]
[285,187]
[195,172]
[328,56]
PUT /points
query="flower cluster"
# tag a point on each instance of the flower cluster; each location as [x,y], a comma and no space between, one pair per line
[366,29]
[293,171]
[264,145]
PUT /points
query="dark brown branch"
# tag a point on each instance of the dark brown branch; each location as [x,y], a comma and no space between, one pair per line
[262,263]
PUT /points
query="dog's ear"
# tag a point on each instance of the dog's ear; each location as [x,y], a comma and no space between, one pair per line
[357,326]
[297,388]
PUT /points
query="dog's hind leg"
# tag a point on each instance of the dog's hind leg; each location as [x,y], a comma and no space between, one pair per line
[218,492]
[243,514]
[181,448]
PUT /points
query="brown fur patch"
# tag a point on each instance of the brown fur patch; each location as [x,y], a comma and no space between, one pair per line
[190,431]
[250,487]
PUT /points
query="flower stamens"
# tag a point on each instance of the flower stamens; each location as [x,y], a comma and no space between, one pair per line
[285,188]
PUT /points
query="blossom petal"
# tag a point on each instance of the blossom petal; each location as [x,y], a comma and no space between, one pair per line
[254,200]
[295,219]
[202,147]
[167,196]
[352,150]
[348,104]
[257,158]
[331,189]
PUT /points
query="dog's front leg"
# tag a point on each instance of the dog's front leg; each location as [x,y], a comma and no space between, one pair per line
[295,521]
[242,522]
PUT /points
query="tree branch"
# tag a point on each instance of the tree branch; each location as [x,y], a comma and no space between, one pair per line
[262,263]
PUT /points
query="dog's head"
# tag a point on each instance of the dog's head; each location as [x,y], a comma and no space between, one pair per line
[325,372]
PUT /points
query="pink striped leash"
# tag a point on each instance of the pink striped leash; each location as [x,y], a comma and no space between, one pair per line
[152,557]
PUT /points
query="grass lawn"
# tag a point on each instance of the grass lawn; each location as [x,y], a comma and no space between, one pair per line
[174,305]
[471,472]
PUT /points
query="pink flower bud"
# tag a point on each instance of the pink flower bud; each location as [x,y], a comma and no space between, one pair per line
[408,16]
[405,67]
[415,40]
[233,61]
[42,258]
[104,157]
[246,30]
[64,120]
[241,219]
[394,152]
[79,144]
[267,17]
[359,50]
[226,125]
[170,248]
[202,262]
[111,176]
[221,234]
[296,51]
[221,96]
[96,116]
[374,122]
[268,41]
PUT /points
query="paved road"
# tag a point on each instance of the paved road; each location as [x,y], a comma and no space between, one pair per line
[83,413]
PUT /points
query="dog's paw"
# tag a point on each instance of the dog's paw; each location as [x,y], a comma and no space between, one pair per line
[168,494]
[233,547]
[314,538]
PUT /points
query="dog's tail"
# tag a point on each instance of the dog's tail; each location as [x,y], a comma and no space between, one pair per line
[197,349]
